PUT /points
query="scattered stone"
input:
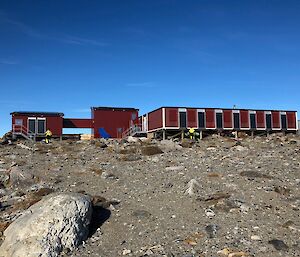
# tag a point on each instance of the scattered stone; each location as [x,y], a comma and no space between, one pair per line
[169,146]
[279,245]
[24,146]
[282,190]
[187,143]
[224,252]
[108,175]
[288,224]
[132,139]
[56,223]
[141,214]
[101,144]
[209,213]
[211,230]
[254,174]
[239,148]
[126,252]
[214,175]
[174,168]
[217,196]
[21,177]
[151,150]
[238,254]
[192,187]
[255,238]
[4,178]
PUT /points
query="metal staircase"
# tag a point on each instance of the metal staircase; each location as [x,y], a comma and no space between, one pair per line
[134,130]
[19,130]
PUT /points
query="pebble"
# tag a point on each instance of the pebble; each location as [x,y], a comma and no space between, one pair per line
[279,245]
[237,254]
[174,168]
[255,238]
[126,252]
[225,252]
[211,230]
[209,213]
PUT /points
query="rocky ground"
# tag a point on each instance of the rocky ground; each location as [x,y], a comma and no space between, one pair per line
[218,197]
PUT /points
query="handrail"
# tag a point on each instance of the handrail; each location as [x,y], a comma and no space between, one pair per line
[131,130]
[22,130]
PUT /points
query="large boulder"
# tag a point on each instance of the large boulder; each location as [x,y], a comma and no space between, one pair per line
[58,222]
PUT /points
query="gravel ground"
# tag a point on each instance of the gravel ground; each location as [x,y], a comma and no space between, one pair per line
[212,198]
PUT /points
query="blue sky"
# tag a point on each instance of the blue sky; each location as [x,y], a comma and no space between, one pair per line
[69,55]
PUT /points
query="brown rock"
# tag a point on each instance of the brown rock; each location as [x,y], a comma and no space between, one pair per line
[151,150]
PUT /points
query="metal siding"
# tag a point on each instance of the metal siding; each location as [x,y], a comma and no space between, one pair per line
[227,116]
[54,123]
[244,119]
[276,119]
[155,120]
[291,120]
[210,118]
[260,119]
[192,118]
[111,120]
[172,117]
[77,123]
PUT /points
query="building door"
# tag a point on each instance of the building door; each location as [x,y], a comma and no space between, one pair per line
[31,125]
[236,121]
[41,125]
[182,119]
[201,120]
[219,120]
[269,121]
[252,121]
[283,121]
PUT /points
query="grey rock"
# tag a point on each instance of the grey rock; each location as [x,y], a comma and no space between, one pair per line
[141,214]
[211,230]
[279,245]
[57,223]
[21,177]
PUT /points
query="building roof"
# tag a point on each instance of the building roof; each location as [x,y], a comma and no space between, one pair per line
[38,113]
[114,108]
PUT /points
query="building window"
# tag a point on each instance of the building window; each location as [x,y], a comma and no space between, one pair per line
[19,122]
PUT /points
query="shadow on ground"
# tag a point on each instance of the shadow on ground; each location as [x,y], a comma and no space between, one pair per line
[99,216]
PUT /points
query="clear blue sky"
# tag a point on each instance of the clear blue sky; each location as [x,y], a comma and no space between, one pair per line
[69,55]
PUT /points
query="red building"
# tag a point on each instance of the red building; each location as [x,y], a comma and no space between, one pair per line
[177,118]
[36,123]
[105,122]
[117,122]
[113,120]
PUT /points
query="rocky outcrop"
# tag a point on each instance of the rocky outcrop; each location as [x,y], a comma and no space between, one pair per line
[58,222]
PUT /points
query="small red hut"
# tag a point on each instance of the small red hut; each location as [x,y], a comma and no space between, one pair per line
[36,123]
